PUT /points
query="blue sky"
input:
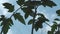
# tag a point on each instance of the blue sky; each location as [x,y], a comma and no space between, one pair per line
[19,28]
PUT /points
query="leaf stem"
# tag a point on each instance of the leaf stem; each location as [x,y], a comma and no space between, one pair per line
[34,19]
[14,12]
[47,24]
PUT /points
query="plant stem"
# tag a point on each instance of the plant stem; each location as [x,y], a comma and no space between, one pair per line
[34,19]
[48,24]
[14,12]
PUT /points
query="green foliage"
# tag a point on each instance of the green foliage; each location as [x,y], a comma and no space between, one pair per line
[53,27]
[48,3]
[32,3]
[20,2]
[27,12]
[42,2]
[6,23]
[30,22]
[57,19]
[9,6]
[19,17]
[49,32]
[40,21]
[26,16]
[39,14]
[58,12]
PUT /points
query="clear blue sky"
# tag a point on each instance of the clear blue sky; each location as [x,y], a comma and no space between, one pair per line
[19,28]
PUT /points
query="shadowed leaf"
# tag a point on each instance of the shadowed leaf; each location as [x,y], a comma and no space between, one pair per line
[40,21]
[26,16]
[20,2]
[32,3]
[28,11]
[9,6]
[48,3]
[19,17]
[38,25]
[57,19]
[6,25]
[54,26]
[42,16]
[58,12]
[30,22]
[49,32]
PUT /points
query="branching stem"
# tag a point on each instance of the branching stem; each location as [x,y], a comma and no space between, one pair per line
[34,19]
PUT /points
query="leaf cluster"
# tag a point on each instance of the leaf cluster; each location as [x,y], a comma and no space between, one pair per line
[7,22]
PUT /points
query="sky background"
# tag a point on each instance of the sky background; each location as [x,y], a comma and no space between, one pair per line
[19,28]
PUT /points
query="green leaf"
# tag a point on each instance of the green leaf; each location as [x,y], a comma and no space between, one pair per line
[42,16]
[48,3]
[20,2]
[28,11]
[38,25]
[42,2]
[31,7]
[6,25]
[57,19]
[19,17]
[5,29]
[36,28]
[9,6]
[40,21]
[54,26]
[30,22]
[58,12]
[49,32]
[32,3]
[10,21]
[26,16]
[2,17]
